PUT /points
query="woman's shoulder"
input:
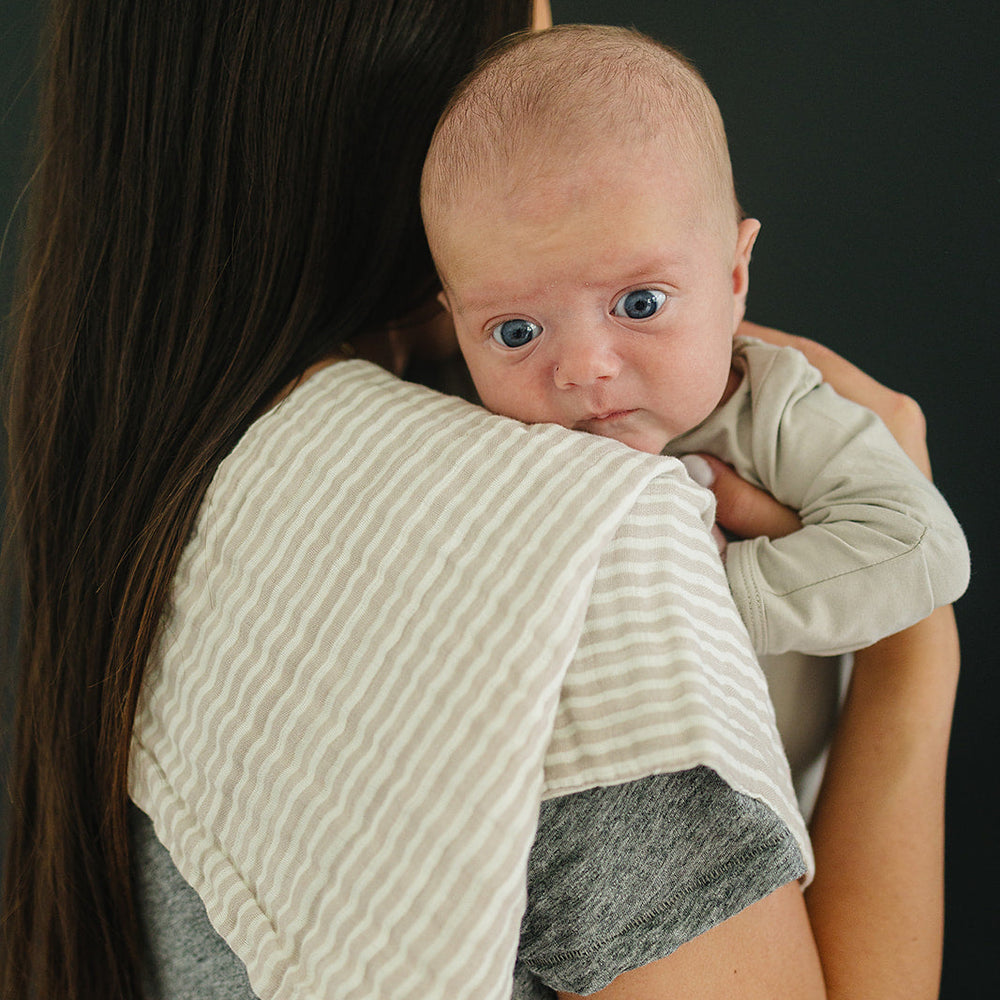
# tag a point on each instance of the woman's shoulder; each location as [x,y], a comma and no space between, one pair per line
[353,414]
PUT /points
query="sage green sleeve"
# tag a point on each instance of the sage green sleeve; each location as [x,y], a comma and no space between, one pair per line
[879,548]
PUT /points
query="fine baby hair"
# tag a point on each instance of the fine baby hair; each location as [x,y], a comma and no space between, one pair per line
[549,100]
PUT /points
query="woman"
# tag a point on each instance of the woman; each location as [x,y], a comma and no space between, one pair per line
[220,216]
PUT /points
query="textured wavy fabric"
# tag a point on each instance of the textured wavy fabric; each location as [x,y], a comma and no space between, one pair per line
[401,623]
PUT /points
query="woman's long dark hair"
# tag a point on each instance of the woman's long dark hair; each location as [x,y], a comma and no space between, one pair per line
[226,190]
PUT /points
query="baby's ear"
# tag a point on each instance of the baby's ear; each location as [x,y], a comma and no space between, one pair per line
[442,297]
[746,236]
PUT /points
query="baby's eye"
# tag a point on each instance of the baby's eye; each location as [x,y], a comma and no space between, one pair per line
[640,304]
[516,332]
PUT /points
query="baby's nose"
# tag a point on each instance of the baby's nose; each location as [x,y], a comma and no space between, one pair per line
[585,359]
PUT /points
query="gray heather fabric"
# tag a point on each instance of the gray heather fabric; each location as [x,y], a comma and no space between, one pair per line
[186,959]
[618,877]
[622,876]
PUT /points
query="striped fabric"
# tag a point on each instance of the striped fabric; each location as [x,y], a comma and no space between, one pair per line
[400,624]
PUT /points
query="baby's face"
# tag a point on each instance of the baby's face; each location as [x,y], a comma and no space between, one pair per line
[603,299]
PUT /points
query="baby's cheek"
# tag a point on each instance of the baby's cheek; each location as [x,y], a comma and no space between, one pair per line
[501,394]
[717,383]
[524,403]
[485,382]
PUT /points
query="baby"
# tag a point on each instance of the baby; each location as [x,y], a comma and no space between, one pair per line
[579,205]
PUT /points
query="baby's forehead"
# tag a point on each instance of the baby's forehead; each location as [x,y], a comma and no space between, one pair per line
[608,218]
[576,123]
[552,181]
[564,112]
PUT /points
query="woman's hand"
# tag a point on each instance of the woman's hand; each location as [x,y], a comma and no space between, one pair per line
[900,413]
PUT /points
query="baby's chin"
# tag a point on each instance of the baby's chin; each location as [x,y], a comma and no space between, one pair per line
[639,439]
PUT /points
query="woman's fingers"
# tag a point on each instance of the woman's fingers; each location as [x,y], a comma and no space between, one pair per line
[899,412]
[847,379]
[747,511]
[741,508]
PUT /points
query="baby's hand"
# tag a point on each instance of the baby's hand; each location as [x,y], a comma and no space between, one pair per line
[746,511]
[740,508]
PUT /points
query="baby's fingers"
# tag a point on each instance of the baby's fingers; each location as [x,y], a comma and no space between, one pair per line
[741,508]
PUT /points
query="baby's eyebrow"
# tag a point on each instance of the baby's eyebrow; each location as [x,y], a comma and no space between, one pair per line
[491,298]
[646,269]
[611,276]
[486,304]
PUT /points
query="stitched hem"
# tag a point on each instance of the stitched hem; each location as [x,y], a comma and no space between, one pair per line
[645,939]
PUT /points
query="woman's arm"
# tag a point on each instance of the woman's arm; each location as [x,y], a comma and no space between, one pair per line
[871,923]
[877,902]
[899,412]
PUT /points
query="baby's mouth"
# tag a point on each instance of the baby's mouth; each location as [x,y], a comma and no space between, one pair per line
[607,415]
[604,419]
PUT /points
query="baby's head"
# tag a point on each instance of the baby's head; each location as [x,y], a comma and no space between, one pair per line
[579,204]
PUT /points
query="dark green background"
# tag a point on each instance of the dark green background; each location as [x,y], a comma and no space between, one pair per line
[18,31]
[19,23]
[865,137]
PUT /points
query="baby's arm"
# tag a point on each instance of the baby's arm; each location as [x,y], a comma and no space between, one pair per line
[879,548]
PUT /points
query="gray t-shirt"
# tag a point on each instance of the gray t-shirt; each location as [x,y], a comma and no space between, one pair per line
[399,624]
[618,877]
